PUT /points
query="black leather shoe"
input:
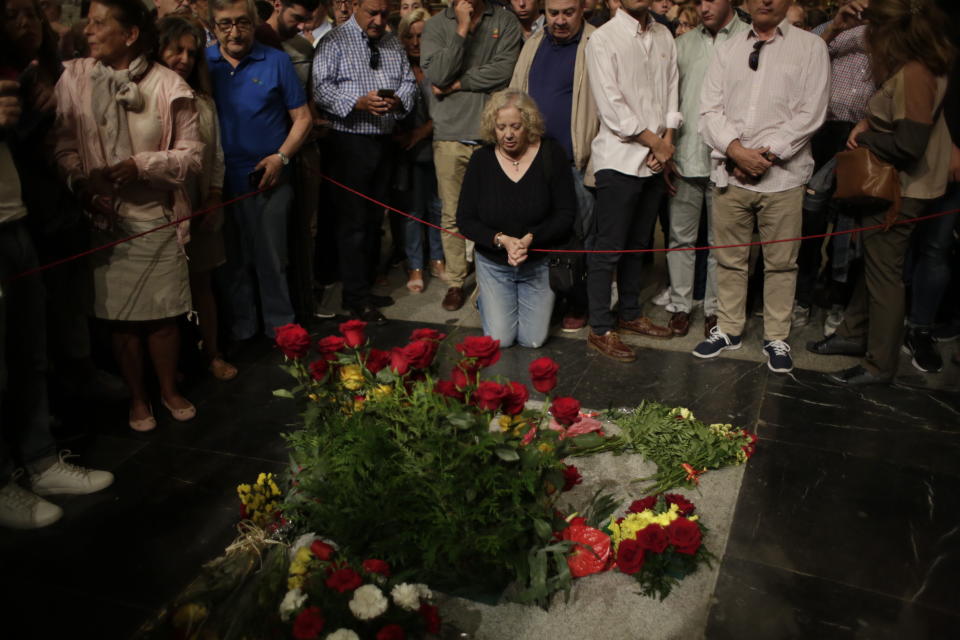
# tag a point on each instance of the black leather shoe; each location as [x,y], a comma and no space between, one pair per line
[380,301]
[837,345]
[858,376]
[368,314]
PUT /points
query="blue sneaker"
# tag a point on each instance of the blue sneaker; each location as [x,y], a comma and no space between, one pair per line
[778,356]
[717,342]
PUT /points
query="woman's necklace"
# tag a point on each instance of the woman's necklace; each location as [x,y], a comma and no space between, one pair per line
[515,163]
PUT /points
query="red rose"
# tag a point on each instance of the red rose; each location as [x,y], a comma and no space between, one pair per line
[309,624]
[463,378]
[639,506]
[653,537]
[344,580]
[377,566]
[565,410]
[319,368]
[685,536]
[427,334]
[391,632]
[517,396]
[322,550]
[431,617]
[684,506]
[293,340]
[630,556]
[543,374]
[448,388]
[398,361]
[420,353]
[571,477]
[329,346]
[484,348]
[376,360]
[490,395]
[353,332]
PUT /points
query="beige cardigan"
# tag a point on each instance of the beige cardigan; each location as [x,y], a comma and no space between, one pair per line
[584,122]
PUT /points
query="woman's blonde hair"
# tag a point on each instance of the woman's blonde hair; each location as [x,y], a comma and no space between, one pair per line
[529,114]
[412,18]
[901,31]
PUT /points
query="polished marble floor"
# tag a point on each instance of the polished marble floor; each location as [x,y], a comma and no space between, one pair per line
[846,525]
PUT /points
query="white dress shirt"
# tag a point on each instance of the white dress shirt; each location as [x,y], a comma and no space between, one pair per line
[780,105]
[633,76]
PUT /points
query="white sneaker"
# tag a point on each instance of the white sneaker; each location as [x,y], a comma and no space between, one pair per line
[63,477]
[20,509]
[662,299]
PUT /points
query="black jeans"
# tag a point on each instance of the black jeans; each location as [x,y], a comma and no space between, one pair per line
[626,212]
[363,163]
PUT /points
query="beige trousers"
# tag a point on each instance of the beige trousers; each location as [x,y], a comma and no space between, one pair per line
[778,215]
[451,158]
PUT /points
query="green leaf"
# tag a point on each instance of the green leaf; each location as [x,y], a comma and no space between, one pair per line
[588,441]
[507,454]
[543,528]
[283,393]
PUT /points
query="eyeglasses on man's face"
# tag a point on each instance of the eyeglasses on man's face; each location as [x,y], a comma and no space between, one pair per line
[225,26]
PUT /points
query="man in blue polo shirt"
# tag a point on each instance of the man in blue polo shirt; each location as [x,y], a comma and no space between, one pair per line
[263,121]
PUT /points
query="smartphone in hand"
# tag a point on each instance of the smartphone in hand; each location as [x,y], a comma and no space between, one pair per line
[385,93]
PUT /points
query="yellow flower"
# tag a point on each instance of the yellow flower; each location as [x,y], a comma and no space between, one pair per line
[351,377]
[545,447]
[189,615]
[505,423]
[683,412]
[313,396]
[295,582]
[382,391]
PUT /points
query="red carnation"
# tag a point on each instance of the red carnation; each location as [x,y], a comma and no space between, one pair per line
[309,624]
[653,537]
[377,566]
[685,536]
[343,580]
[565,410]
[490,395]
[751,447]
[639,506]
[391,632]
[431,617]
[398,361]
[329,346]
[516,400]
[319,368]
[630,556]
[427,334]
[484,348]
[420,353]
[293,340]
[684,506]
[322,550]
[543,374]
[376,360]
[448,388]
[571,477]
[353,332]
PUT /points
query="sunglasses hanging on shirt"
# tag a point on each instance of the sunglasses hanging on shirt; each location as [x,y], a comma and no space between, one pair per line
[754,60]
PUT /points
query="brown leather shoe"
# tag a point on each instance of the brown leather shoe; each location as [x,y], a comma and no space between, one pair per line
[645,327]
[454,299]
[708,324]
[610,345]
[679,323]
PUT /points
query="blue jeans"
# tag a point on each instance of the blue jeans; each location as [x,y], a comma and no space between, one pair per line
[515,302]
[932,242]
[425,205]
[255,238]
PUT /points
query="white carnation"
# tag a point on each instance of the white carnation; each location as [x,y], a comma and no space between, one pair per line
[343,634]
[425,592]
[291,602]
[368,602]
[407,596]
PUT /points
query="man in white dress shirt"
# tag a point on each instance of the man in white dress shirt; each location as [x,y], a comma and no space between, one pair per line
[632,65]
[764,96]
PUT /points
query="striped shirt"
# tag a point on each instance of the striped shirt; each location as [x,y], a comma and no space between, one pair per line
[342,74]
[780,105]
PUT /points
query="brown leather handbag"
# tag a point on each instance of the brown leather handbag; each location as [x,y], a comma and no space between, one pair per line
[867,182]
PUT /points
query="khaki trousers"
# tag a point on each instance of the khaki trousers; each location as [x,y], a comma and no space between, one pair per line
[876,309]
[778,215]
[451,158]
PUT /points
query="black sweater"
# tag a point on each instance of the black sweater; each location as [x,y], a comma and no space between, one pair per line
[543,202]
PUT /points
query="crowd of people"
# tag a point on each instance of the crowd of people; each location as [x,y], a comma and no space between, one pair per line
[191,137]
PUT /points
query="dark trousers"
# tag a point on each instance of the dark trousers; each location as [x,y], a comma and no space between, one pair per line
[626,211]
[362,163]
[929,269]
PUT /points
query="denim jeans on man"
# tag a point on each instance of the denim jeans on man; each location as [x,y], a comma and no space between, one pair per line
[515,302]
[930,254]
[425,205]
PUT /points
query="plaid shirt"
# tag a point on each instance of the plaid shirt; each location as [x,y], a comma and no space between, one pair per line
[851,85]
[342,73]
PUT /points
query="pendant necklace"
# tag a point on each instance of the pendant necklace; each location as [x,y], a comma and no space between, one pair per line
[515,163]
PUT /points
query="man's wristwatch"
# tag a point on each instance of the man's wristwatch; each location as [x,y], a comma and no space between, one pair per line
[497,242]
[284,158]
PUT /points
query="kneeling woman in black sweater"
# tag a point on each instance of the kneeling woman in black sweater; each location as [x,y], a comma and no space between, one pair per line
[517,195]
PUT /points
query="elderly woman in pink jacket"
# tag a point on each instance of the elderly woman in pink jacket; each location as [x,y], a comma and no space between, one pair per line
[127,140]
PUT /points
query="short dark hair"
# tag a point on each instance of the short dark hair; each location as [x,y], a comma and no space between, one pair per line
[264,10]
[134,13]
[309,5]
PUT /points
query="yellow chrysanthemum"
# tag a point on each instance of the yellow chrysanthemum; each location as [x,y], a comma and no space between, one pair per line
[505,423]
[295,582]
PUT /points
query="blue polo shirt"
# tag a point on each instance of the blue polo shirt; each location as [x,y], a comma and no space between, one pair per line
[551,86]
[253,104]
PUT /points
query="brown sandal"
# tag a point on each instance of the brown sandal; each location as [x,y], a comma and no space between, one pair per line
[415,281]
[222,370]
